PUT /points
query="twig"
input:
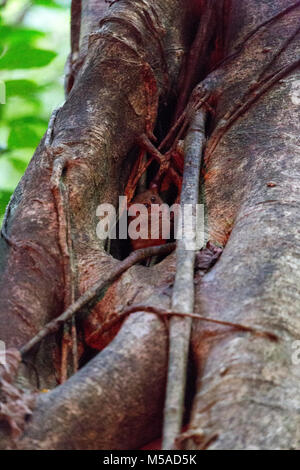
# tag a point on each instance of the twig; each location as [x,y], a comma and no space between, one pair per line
[239,48]
[142,182]
[268,21]
[58,191]
[285,44]
[197,54]
[61,199]
[74,345]
[72,274]
[117,317]
[137,171]
[197,100]
[75,26]
[183,291]
[95,290]
[257,90]
[172,132]
[163,160]
[65,345]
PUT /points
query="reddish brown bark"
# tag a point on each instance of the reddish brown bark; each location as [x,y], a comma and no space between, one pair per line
[247,387]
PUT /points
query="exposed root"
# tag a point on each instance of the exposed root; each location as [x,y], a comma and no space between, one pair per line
[183,290]
[94,292]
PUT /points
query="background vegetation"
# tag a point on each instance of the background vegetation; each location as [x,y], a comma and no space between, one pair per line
[34,43]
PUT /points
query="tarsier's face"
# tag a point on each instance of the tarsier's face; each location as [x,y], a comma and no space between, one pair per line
[151,201]
[147,198]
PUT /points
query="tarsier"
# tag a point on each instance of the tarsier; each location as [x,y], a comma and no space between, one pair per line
[154,237]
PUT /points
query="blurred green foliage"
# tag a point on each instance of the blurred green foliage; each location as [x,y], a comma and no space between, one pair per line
[34,43]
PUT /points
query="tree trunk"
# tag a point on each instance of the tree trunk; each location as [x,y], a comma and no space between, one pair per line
[128,65]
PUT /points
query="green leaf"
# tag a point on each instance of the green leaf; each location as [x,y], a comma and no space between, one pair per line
[18,164]
[18,34]
[27,120]
[21,106]
[23,137]
[23,56]
[26,88]
[48,3]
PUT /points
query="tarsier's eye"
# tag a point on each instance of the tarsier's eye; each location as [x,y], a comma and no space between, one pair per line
[153,199]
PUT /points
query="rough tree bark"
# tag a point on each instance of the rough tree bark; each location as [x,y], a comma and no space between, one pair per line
[121,72]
